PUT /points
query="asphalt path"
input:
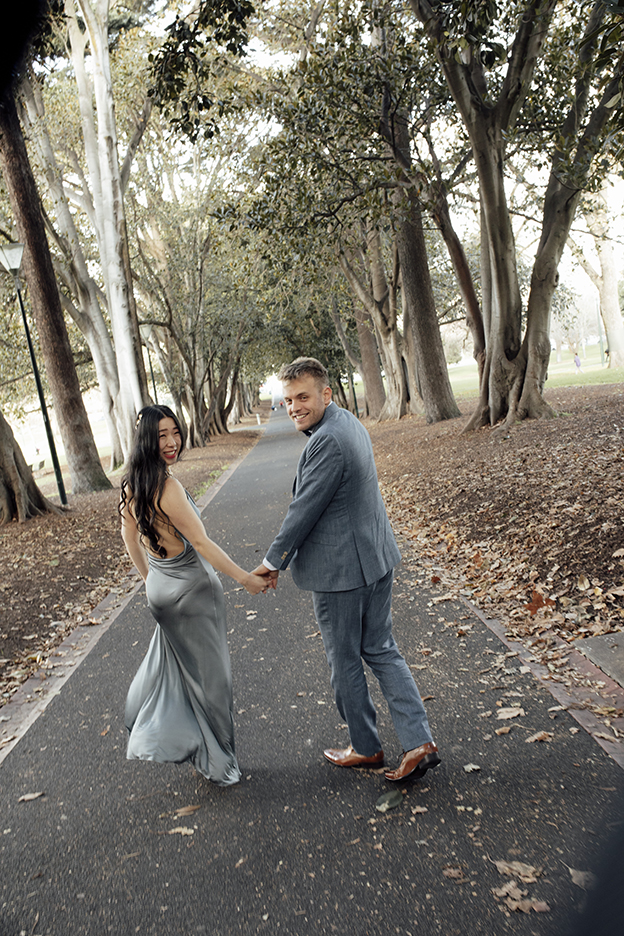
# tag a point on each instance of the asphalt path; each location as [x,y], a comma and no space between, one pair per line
[298,846]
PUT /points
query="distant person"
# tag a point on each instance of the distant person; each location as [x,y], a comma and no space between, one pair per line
[338,541]
[179,706]
[577,361]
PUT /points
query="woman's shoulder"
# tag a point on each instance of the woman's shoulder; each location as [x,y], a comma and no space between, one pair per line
[173,491]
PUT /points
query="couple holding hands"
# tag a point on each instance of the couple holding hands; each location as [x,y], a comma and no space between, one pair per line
[337,540]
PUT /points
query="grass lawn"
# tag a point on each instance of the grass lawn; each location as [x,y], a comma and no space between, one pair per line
[561,373]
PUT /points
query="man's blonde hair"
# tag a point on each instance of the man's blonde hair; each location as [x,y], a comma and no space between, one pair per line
[303,367]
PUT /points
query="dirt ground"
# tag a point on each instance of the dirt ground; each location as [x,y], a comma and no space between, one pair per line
[529,526]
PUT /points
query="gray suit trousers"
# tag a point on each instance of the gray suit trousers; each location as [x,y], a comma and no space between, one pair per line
[356,625]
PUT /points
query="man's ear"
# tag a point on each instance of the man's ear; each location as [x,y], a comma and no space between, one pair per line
[327,395]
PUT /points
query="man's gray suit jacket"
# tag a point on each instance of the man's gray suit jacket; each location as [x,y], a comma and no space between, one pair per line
[336,535]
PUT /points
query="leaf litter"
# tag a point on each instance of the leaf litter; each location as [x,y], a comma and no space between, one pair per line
[544,555]
[514,896]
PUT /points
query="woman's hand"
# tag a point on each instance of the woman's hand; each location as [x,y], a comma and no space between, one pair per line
[255,584]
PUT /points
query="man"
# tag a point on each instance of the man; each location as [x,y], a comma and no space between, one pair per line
[337,539]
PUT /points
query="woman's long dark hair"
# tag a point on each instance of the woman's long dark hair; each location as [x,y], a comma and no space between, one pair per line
[143,484]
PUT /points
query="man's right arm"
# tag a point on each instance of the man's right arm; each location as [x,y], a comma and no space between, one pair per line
[318,482]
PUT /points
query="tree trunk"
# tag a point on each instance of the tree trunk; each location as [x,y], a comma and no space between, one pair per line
[371,371]
[74,272]
[474,316]
[380,302]
[605,280]
[108,210]
[20,498]
[425,361]
[233,382]
[560,205]
[434,384]
[367,365]
[196,408]
[83,460]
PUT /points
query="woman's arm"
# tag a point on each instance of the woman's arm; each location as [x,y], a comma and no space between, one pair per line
[132,542]
[175,505]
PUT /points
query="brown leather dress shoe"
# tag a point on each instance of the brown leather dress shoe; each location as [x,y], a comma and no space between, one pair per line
[347,757]
[416,763]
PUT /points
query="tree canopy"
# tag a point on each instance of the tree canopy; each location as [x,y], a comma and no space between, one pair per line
[237,183]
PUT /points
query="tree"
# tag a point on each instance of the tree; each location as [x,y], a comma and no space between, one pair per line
[105,198]
[185,65]
[605,277]
[331,167]
[20,498]
[195,286]
[82,457]
[82,297]
[490,62]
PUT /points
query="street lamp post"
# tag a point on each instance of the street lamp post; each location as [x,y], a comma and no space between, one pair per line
[11,260]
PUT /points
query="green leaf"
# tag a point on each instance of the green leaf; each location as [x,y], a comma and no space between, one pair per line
[389,800]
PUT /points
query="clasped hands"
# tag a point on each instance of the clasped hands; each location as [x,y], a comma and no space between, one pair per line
[262,580]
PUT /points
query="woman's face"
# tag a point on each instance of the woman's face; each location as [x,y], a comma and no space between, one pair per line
[169,440]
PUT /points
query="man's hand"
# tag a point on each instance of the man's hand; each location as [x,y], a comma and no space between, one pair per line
[269,575]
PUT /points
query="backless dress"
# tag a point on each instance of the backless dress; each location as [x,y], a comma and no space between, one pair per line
[179,705]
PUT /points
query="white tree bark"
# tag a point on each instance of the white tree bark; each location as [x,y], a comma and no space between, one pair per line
[88,315]
[100,141]
[606,278]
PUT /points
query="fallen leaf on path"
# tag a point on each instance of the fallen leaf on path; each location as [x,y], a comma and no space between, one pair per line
[510,889]
[509,713]
[241,861]
[419,809]
[181,830]
[605,737]
[389,800]
[504,730]
[584,879]
[186,810]
[27,797]
[470,768]
[105,732]
[455,874]
[525,906]
[540,736]
[527,873]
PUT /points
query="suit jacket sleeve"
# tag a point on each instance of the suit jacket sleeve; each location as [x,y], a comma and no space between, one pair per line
[318,478]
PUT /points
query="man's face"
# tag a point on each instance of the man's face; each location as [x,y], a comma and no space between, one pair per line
[305,400]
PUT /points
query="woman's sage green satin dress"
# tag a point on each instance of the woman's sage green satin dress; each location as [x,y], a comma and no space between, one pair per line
[179,706]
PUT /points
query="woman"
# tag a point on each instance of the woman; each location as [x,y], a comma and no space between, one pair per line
[179,706]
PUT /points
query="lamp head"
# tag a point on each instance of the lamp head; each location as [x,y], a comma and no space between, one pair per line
[11,257]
